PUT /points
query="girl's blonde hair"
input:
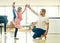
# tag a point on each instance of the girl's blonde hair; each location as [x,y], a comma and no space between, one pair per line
[19,8]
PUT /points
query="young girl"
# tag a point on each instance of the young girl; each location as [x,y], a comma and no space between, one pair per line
[17,18]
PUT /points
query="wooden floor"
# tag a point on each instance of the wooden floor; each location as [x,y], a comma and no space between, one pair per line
[25,36]
[13,29]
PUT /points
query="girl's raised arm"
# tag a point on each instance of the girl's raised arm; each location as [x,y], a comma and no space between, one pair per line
[24,9]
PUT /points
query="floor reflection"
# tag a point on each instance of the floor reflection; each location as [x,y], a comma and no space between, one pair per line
[26,37]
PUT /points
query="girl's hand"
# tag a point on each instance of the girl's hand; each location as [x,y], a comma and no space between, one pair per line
[25,6]
[28,6]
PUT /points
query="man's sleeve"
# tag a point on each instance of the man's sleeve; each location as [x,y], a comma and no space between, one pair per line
[47,20]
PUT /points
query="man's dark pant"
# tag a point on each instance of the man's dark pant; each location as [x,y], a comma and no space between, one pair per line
[38,32]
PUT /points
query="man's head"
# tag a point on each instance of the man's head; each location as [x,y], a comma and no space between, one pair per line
[42,12]
[19,9]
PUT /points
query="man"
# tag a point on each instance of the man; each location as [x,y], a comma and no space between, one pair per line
[42,24]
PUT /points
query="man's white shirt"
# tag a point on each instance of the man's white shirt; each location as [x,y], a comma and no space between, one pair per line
[41,21]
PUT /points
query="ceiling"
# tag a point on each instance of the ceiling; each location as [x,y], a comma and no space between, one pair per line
[31,2]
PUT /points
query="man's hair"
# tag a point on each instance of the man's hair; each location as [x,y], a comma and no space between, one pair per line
[43,10]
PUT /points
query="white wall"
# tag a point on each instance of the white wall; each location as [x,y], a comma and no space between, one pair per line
[54,24]
[32,2]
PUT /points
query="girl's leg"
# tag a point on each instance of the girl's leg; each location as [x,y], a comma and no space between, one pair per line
[15,34]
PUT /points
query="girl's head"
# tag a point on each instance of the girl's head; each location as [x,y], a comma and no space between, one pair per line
[19,9]
[42,12]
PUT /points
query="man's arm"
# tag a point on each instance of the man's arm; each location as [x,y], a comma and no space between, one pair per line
[33,24]
[47,27]
[32,10]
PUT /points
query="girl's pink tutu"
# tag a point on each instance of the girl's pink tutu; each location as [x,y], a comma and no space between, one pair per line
[16,23]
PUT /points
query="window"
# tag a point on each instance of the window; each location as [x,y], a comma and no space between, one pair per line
[9,13]
[28,16]
[50,11]
[59,11]
[31,17]
[2,10]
